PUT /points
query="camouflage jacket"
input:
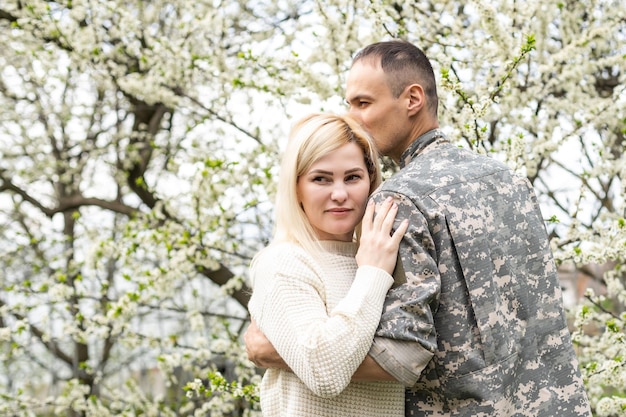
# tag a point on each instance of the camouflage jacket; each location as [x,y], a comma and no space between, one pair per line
[474,323]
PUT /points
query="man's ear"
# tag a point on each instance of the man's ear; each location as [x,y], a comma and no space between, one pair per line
[416,97]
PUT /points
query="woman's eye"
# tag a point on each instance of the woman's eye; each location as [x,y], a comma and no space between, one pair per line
[319,179]
[353,177]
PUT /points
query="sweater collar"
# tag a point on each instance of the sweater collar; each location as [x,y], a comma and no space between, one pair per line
[339,247]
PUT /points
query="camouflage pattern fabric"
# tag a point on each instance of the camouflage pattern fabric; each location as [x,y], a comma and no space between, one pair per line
[475,315]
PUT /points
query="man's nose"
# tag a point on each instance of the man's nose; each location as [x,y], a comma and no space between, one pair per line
[354,112]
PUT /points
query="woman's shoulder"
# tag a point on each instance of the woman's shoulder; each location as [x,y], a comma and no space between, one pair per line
[284,261]
[281,250]
[280,254]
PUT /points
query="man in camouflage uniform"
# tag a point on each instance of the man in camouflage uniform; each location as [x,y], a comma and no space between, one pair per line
[475,323]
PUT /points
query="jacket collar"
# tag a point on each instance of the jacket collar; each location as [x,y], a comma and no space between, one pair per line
[419,144]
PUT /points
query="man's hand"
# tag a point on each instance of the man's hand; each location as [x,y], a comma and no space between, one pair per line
[260,350]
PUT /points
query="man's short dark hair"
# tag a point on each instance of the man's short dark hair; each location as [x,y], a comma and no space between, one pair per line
[403,64]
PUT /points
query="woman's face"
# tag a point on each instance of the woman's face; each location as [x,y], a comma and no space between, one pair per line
[334,192]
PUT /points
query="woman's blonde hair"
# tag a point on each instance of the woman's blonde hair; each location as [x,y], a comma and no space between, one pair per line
[312,138]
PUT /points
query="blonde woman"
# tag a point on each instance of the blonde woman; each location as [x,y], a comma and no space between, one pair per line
[319,287]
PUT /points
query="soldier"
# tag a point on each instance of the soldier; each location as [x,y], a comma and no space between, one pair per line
[474,324]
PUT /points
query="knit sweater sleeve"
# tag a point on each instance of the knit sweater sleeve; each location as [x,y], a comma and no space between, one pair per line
[322,348]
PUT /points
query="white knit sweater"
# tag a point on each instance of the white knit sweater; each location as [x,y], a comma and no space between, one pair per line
[320,314]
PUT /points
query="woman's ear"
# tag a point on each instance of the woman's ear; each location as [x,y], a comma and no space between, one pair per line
[299,199]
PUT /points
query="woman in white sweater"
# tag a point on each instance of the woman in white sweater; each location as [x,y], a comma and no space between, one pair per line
[319,287]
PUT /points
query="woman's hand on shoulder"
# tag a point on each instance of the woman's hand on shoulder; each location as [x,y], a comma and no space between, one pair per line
[379,242]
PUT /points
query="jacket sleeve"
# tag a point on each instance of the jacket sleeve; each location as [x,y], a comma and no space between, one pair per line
[323,349]
[406,338]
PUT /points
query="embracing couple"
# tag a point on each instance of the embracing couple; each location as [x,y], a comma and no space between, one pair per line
[432,294]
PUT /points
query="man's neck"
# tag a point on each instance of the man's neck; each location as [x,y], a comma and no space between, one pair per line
[418,130]
[419,143]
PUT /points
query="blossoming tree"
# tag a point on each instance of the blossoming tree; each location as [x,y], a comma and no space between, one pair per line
[139,145]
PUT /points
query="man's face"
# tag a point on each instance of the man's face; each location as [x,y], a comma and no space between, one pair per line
[371,102]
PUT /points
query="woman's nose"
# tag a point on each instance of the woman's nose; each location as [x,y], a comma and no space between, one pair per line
[339,193]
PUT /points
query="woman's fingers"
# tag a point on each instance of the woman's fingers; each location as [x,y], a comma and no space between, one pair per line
[380,218]
[368,216]
[383,211]
[389,218]
[379,246]
[400,231]
[386,216]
